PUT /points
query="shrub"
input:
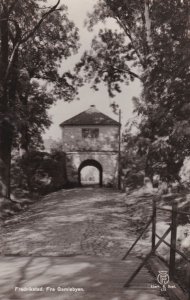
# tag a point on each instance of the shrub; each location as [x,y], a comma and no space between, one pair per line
[39,172]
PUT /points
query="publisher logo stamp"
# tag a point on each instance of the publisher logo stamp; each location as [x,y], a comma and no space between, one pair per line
[163,279]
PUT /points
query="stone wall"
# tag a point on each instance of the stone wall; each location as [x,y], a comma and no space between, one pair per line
[102,149]
[73,141]
[108,161]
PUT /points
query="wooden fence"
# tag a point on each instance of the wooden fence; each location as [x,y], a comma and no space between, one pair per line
[175,212]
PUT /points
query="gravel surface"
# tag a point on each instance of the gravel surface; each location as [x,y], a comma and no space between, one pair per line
[88,221]
[76,238]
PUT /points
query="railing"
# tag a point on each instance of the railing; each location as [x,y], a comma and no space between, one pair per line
[175,212]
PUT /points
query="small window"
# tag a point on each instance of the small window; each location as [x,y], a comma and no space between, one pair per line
[90,133]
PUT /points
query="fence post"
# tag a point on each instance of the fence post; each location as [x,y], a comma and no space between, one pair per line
[153,224]
[173,240]
[188,279]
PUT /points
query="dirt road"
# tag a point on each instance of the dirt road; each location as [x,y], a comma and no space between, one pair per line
[73,239]
[71,222]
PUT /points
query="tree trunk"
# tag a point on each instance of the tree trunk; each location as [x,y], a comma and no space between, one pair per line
[5,126]
[8,84]
[6,136]
[147,24]
[25,156]
[3,60]
[25,142]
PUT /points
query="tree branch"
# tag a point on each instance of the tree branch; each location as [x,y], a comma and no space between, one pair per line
[16,44]
[12,6]
[127,32]
[147,23]
[124,71]
[129,72]
[11,60]
[32,32]
[17,36]
[23,40]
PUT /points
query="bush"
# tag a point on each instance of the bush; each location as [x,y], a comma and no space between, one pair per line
[39,172]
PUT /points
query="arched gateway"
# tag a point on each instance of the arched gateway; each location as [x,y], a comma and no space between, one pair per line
[91,139]
[93,163]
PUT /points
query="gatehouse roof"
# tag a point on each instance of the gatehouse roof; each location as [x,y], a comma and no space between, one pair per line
[91,116]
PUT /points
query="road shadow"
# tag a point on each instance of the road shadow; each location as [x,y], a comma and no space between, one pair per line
[89,278]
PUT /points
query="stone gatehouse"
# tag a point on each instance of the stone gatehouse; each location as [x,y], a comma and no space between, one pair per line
[91,138]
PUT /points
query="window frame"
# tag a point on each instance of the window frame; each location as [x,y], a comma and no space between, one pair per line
[90,133]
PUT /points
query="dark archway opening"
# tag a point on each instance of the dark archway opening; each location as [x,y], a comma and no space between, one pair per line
[92,175]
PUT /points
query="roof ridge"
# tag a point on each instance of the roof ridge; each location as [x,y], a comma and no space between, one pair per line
[75,116]
[107,120]
[108,117]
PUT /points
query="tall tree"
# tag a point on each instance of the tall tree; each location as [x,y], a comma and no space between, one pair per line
[20,21]
[41,75]
[151,45]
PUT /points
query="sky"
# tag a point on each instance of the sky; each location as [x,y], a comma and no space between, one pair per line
[62,111]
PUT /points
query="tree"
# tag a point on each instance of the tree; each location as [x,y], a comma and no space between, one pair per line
[151,45]
[41,59]
[24,32]
[47,171]
[133,158]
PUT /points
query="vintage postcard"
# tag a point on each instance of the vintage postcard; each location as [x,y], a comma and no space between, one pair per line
[94,149]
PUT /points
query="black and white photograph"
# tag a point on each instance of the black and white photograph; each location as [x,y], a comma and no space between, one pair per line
[94,149]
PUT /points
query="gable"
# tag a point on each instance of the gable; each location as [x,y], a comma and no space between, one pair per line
[91,116]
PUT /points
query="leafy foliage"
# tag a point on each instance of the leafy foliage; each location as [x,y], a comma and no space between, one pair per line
[152,45]
[108,61]
[47,172]
[41,58]
[34,41]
